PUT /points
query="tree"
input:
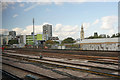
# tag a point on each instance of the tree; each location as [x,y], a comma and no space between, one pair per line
[113,36]
[51,42]
[118,35]
[108,36]
[56,42]
[95,35]
[90,37]
[68,40]
[13,42]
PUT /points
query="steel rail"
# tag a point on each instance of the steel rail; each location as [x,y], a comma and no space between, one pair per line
[69,63]
[11,75]
[45,77]
[90,60]
[73,68]
[79,52]
[78,69]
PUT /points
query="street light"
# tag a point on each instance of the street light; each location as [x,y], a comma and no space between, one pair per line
[33,34]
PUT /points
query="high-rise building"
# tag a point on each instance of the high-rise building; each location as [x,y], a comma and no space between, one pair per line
[13,34]
[95,34]
[47,31]
[21,39]
[82,33]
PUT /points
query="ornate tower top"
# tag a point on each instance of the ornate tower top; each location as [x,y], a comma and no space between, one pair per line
[82,33]
[82,26]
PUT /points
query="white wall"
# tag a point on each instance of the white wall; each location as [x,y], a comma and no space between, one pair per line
[112,44]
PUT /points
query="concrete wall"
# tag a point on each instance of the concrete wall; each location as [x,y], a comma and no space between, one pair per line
[112,44]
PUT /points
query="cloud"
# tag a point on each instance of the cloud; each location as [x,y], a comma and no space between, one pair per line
[60,1]
[6,4]
[15,15]
[48,10]
[106,25]
[95,22]
[21,5]
[13,7]
[62,31]
[31,7]
[108,22]
[111,32]
[4,31]
[28,29]
[86,26]
[36,4]
[18,30]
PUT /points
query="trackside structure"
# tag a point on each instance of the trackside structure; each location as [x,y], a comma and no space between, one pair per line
[110,44]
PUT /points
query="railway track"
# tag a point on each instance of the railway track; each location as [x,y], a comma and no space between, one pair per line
[71,66]
[97,59]
[43,77]
[78,52]
[14,56]
[6,75]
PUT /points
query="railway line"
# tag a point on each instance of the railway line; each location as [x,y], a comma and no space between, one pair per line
[67,65]
[6,76]
[77,52]
[43,77]
[30,57]
[96,59]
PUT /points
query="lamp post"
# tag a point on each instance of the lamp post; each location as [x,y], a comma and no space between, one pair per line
[33,34]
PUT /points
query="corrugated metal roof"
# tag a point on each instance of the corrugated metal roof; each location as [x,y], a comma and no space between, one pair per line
[101,40]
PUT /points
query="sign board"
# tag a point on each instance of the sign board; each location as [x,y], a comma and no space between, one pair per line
[39,36]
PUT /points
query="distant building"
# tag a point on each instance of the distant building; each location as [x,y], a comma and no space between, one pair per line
[95,34]
[13,34]
[53,38]
[47,31]
[21,39]
[110,44]
[82,33]
[29,39]
[102,35]
[4,39]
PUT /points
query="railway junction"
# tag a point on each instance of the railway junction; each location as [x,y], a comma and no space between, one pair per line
[37,64]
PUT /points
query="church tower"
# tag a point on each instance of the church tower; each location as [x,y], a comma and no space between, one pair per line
[82,33]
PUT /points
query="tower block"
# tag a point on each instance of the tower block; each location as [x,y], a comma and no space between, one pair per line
[82,33]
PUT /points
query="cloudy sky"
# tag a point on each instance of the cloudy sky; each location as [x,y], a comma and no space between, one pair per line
[66,17]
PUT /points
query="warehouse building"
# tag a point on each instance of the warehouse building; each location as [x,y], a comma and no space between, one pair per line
[111,44]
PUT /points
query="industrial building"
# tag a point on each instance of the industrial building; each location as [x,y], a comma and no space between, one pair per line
[101,44]
[29,39]
[47,31]
[13,34]
[4,39]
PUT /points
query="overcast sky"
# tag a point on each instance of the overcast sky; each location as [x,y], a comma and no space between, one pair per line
[66,17]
